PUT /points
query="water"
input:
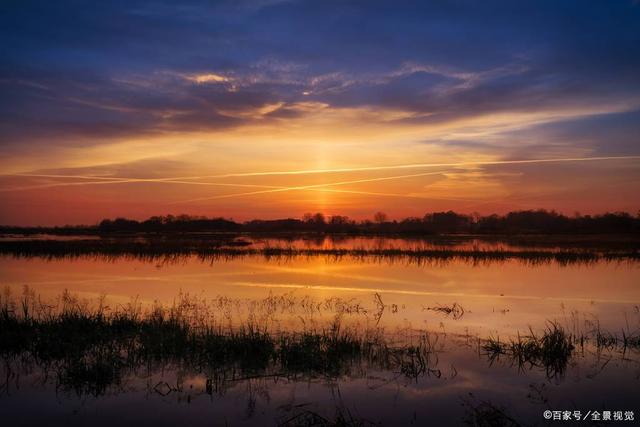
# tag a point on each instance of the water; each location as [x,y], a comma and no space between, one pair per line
[402,299]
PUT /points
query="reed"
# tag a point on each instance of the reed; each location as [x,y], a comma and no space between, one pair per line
[551,350]
[175,249]
[90,349]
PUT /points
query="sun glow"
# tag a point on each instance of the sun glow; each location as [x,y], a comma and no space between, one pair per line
[208,78]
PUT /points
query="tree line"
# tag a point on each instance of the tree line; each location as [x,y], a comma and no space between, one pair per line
[519,222]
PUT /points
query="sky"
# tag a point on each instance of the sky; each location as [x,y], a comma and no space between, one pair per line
[270,108]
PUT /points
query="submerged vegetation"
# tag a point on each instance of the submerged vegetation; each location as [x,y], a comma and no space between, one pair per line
[89,351]
[171,238]
[550,351]
[553,349]
[223,348]
[456,311]
[214,249]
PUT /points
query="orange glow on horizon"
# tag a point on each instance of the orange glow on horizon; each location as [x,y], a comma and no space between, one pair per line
[351,162]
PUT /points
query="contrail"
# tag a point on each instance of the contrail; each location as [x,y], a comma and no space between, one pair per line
[189,180]
[417,166]
[354,169]
[307,187]
[57,184]
[107,181]
[45,175]
[409,196]
[132,180]
[319,189]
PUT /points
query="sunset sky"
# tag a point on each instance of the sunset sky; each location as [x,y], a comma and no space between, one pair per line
[267,108]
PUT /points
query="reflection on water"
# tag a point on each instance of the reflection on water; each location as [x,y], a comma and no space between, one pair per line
[562,250]
[339,241]
[437,342]
[198,352]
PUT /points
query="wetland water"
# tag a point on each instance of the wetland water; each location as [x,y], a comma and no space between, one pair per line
[431,322]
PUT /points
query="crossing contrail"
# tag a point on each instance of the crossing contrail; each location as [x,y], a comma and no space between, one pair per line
[417,166]
[191,180]
[319,189]
[308,187]
[401,195]
[270,187]
[130,181]
[337,170]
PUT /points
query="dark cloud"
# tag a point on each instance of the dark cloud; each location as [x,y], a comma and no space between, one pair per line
[103,69]
[613,134]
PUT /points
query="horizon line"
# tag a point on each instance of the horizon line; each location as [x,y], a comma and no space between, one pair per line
[329,216]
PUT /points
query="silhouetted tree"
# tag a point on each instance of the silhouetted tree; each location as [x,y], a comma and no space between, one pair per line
[380,217]
[517,222]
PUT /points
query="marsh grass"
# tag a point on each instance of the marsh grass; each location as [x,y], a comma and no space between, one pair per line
[90,349]
[175,249]
[551,350]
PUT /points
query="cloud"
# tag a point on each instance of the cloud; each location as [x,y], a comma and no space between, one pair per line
[207,78]
[157,66]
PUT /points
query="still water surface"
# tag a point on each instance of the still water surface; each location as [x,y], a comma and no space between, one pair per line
[498,299]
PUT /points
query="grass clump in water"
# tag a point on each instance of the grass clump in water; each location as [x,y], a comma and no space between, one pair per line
[551,351]
[455,310]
